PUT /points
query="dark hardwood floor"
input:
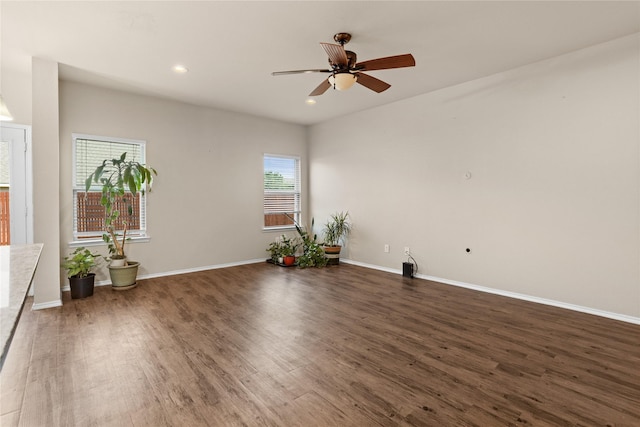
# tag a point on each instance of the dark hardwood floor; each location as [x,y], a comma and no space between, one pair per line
[342,346]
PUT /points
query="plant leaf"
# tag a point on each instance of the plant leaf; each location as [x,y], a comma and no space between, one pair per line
[132,185]
[87,183]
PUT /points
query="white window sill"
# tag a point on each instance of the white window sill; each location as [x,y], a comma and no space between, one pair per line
[280,229]
[100,242]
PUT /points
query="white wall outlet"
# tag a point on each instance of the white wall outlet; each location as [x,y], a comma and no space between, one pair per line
[386,248]
[406,250]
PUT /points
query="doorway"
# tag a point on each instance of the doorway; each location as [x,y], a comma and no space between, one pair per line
[16,184]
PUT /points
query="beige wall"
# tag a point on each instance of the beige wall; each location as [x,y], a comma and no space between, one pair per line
[206,205]
[16,89]
[552,208]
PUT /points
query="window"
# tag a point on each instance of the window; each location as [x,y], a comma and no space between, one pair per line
[88,215]
[281,191]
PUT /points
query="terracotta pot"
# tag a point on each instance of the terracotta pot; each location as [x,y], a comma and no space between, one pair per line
[289,260]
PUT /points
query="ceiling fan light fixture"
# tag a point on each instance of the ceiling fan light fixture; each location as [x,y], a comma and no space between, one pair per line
[342,81]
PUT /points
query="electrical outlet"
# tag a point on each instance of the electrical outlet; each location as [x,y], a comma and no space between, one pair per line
[406,250]
[386,248]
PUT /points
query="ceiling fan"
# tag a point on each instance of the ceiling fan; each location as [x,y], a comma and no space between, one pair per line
[345,71]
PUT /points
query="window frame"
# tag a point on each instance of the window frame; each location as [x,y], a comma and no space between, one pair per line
[297,192]
[95,238]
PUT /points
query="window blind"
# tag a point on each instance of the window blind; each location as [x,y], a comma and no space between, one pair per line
[282,198]
[90,153]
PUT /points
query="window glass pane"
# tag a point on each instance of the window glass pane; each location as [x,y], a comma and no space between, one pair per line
[281,191]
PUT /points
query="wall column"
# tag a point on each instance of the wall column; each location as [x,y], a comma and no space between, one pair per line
[46,182]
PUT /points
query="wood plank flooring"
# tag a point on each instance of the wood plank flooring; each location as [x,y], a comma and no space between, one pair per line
[261,345]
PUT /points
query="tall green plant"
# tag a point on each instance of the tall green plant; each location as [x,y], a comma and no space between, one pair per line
[337,229]
[312,252]
[116,177]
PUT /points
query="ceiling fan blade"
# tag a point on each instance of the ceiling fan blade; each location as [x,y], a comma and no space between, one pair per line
[336,53]
[282,73]
[398,61]
[322,88]
[372,83]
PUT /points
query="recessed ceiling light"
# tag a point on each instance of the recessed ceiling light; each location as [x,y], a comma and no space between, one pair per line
[180,69]
[310,101]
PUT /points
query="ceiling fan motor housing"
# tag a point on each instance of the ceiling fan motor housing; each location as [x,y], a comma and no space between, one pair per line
[352,58]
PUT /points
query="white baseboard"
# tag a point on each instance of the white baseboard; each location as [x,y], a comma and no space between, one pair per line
[524,297]
[197,269]
[48,304]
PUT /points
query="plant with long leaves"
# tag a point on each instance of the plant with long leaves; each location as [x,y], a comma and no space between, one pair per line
[312,253]
[118,177]
[337,229]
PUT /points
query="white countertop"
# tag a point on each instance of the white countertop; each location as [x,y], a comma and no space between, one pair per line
[17,267]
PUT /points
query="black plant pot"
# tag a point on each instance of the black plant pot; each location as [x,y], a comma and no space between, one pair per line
[82,287]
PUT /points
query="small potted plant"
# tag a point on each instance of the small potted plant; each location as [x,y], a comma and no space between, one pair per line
[289,247]
[78,266]
[275,252]
[282,251]
[336,230]
[120,177]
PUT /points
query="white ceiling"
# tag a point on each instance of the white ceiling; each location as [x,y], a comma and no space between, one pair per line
[231,48]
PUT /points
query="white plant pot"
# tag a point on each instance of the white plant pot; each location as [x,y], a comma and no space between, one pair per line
[120,262]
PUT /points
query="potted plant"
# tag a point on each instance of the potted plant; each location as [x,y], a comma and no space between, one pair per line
[282,251]
[120,177]
[78,266]
[289,247]
[312,252]
[275,252]
[336,230]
